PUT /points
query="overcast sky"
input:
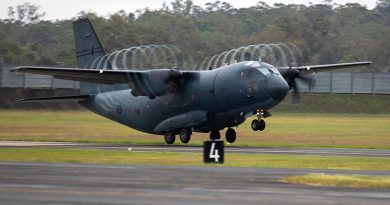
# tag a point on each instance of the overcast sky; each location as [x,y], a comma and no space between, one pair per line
[69,8]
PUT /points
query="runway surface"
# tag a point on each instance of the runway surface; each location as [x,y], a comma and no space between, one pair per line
[43,183]
[228,149]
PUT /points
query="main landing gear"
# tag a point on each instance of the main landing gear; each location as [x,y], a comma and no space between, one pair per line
[170,137]
[215,135]
[230,135]
[184,135]
[258,124]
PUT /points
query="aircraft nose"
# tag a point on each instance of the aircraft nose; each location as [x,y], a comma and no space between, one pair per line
[277,88]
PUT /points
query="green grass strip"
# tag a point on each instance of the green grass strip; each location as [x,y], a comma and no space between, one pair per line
[283,130]
[359,181]
[191,159]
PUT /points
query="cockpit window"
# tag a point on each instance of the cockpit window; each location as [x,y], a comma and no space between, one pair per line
[249,74]
[256,68]
[264,70]
[271,68]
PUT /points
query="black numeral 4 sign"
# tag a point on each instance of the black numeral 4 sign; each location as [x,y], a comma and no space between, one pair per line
[213,152]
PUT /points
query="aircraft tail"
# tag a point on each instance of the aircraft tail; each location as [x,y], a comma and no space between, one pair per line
[89,53]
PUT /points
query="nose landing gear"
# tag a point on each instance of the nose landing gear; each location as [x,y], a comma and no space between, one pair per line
[258,124]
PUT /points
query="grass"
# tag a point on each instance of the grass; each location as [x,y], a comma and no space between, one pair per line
[192,159]
[337,103]
[359,181]
[283,130]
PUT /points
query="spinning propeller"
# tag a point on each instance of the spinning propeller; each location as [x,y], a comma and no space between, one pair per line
[167,85]
[291,75]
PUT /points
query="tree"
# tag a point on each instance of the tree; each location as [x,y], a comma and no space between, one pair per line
[25,13]
[324,33]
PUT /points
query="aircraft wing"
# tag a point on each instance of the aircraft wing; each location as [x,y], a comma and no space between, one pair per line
[150,83]
[328,67]
[86,75]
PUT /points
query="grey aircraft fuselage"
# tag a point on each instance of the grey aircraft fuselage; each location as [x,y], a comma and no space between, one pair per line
[214,100]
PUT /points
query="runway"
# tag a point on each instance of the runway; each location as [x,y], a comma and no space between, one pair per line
[43,183]
[228,149]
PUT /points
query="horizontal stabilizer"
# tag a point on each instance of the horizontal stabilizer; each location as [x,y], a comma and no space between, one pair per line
[57,98]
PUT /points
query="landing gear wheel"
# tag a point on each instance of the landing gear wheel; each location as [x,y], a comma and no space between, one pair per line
[255,125]
[215,135]
[169,137]
[261,125]
[185,136]
[230,135]
[258,125]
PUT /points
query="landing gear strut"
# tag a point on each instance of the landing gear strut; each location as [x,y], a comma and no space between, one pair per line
[230,135]
[258,124]
[169,137]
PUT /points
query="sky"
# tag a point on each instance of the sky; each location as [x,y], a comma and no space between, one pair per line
[66,9]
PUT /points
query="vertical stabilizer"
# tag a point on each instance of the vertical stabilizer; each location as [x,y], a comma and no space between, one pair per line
[89,53]
[89,50]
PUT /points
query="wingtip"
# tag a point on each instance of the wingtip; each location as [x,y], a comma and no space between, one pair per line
[362,63]
[20,101]
[366,63]
[15,69]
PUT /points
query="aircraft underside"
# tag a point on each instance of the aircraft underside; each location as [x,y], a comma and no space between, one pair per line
[155,117]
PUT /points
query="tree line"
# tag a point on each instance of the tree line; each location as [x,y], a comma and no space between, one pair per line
[325,33]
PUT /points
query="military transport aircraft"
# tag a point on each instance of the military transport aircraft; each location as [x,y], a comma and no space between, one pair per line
[169,101]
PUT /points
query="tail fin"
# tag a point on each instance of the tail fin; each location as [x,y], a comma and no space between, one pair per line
[89,50]
[89,53]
